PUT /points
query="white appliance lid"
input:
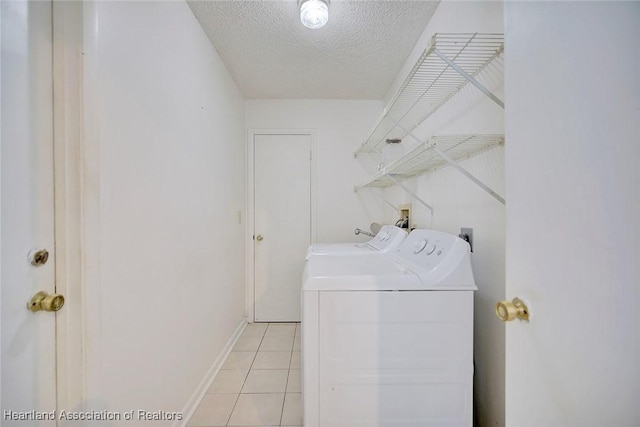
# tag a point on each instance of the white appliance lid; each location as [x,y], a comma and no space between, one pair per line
[338,248]
[426,260]
[389,237]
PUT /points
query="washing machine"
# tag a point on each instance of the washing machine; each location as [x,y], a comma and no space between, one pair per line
[387,339]
[388,238]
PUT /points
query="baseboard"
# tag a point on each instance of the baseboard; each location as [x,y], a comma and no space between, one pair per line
[206,382]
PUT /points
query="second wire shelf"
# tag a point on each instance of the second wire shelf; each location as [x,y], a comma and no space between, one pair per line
[424,158]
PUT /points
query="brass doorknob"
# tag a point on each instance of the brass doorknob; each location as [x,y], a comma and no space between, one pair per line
[509,310]
[45,302]
[259,238]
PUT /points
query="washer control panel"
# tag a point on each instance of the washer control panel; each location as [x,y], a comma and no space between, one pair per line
[388,238]
[426,249]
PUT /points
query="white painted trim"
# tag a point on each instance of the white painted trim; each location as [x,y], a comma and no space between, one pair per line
[205,384]
[90,207]
[67,146]
[1,382]
[250,244]
[249,224]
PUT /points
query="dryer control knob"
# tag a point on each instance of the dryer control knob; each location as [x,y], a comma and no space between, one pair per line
[430,248]
[419,246]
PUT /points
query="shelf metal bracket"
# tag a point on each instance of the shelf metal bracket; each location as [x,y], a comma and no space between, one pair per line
[411,193]
[467,174]
[366,141]
[455,165]
[373,149]
[388,203]
[470,78]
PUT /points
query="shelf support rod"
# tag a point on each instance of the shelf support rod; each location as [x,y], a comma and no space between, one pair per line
[455,165]
[467,174]
[469,78]
[411,193]
[379,196]
[366,141]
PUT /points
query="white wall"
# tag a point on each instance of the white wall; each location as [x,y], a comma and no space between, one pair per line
[341,127]
[573,206]
[166,180]
[458,202]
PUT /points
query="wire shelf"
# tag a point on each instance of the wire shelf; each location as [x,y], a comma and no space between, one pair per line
[432,82]
[423,158]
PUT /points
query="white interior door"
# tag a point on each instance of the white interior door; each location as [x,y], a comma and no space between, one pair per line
[28,339]
[572,122]
[282,223]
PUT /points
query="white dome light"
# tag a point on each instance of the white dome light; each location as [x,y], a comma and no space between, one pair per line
[314,13]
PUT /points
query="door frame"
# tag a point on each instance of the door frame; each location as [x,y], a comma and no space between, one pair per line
[250,206]
[69,196]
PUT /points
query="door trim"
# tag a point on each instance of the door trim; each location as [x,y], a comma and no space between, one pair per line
[69,196]
[250,207]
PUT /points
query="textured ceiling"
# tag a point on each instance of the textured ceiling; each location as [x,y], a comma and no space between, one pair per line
[271,55]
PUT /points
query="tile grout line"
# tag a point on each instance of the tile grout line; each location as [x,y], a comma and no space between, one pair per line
[291,351]
[286,385]
[295,333]
[247,376]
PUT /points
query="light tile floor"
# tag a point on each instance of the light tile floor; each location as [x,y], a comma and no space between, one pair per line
[259,383]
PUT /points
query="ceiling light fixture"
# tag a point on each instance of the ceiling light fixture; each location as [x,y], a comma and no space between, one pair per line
[314,13]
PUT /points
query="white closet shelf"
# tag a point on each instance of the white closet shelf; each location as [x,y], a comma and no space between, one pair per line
[423,158]
[438,74]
